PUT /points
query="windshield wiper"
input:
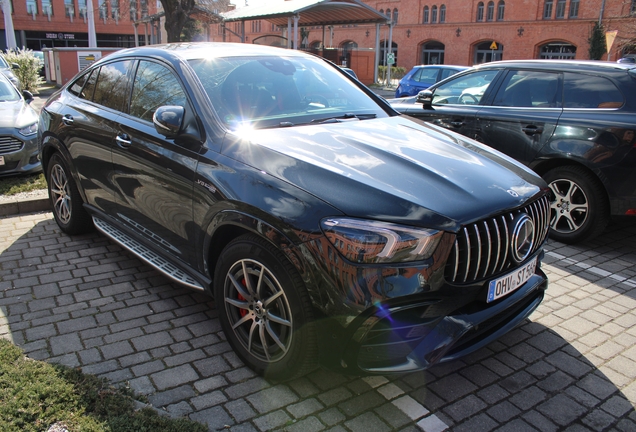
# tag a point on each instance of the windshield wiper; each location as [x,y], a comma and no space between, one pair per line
[346,116]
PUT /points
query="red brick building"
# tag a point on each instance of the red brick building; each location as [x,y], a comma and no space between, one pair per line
[467,32]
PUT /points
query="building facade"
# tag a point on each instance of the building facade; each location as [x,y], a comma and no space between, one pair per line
[471,32]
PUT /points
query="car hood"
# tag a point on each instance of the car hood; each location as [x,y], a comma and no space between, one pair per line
[393,169]
[16,114]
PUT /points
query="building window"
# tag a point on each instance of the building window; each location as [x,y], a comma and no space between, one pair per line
[47,7]
[388,13]
[574,8]
[558,51]
[480,11]
[69,8]
[442,14]
[133,10]
[114,9]
[560,9]
[633,9]
[501,8]
[490,12]
[433,53]
[144,8]
[433,14]
[547,9]
[425,15]
[395,16]
[484,53]
[32,7]
[382,11]
[103,9]
[256,26]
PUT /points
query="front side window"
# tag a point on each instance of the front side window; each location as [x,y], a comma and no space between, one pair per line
[465,90]
[547,9]
[480,11]
[154,86]
[111,89]
[425,15]
[590,91]
[529,89]
[426,74]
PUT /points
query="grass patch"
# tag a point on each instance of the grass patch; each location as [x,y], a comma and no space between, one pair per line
[24,183]
[35,395]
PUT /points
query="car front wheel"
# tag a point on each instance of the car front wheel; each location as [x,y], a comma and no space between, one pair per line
[578,208]
[264,309]
[66,201]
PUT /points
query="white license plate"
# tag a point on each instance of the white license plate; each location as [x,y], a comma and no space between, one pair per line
[1,160]
[506,284]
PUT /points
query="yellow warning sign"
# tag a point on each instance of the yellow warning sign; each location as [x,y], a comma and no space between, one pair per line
[493,45]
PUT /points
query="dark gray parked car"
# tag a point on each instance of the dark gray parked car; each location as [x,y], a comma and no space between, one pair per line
[572,122]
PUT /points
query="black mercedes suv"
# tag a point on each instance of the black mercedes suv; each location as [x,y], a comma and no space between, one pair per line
[328,228]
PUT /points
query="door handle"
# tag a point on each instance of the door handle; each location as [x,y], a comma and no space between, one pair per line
[123,141]
[67,120]
[457,123]
[532,129]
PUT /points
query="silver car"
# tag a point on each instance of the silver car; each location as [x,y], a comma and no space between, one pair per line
[6,69]
[18,131]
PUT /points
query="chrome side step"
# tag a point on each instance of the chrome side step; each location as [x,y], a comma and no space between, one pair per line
[146,255]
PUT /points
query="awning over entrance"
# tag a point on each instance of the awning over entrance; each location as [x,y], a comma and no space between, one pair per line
[310,13]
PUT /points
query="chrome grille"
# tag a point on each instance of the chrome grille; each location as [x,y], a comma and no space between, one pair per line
[9,144]
[481,250]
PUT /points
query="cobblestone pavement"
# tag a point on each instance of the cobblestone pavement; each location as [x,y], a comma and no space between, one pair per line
[83,302]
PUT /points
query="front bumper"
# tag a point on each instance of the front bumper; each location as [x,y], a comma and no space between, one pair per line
[24,160]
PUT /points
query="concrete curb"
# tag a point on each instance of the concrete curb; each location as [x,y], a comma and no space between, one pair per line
[32,205]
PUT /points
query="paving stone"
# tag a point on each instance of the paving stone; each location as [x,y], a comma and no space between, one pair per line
[465,407]
[452,387]
[174,377]
[164,398]
[539,421]
[480,422]
[561,409]
[304,408]
[216,418]
[363,402]
[392,415]
[272,399]
[271,420]
[432,423]
[516,425]
[367,422]
[240,410]
[208,399]
[310,424]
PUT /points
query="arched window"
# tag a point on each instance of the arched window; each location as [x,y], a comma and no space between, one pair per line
[395,16]
[480,11]
[501,8]
[558,51]
[433,14]
[490,13]
[433,53]
[547,9]
[485,53]
[388,13]
[442,14]
[425,15]
[382,11]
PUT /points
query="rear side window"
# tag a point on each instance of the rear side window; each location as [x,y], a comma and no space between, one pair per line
[425,74]
[111,89]
[588,91]
[77,86]
[529,89]
[154,86]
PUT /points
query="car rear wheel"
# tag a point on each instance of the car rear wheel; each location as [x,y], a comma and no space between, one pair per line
[264,309]
[578,208]
[66,201]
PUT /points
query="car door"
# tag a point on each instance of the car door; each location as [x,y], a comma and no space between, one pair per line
[153,174]
[456,102]
[523,115]
[89,116]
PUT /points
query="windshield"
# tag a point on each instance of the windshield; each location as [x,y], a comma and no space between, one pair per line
[3,63]
[8,92]
[279,92]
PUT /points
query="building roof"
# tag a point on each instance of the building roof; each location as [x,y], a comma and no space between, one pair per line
[310,12]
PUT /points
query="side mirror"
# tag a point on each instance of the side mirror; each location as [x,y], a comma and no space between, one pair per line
[15,66]
[168,120]
[425,97]
[27,95]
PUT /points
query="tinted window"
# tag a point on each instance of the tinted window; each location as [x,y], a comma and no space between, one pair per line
[428,74]
[587,91]
[112,85]
[467,89]
[528,89]
[89,87]
[154,86]
[76,87]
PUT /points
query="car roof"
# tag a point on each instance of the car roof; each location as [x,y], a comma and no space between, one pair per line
[203,50]
[441,65]
[574,65]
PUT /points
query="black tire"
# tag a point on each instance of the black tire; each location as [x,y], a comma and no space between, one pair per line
[578,207]
[267,316]
[66,201]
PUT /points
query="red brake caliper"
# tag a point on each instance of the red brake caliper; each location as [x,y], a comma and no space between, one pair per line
[243,312]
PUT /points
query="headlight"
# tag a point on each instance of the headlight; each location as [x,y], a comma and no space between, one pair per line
[369,242]
[29,130]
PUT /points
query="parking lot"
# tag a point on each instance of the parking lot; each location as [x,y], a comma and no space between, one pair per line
[84,302]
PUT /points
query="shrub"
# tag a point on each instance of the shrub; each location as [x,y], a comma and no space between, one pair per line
[397,72]
[29,71]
